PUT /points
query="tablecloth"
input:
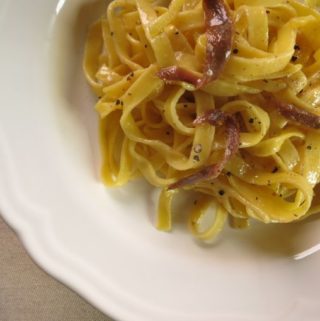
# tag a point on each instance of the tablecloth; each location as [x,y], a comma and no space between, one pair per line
[29,294]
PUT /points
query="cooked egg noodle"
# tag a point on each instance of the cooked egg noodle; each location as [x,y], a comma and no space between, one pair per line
[146,126]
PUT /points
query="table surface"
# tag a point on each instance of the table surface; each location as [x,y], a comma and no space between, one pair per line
[27,293]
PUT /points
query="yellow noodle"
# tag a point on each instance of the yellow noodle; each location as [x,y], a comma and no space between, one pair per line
[197,214]
[146,125]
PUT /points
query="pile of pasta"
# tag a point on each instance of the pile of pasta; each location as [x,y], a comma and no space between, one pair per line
[217,97]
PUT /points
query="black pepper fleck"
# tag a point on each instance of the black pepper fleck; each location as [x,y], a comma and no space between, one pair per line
[296,47]
[275,170]
[228,174]
[309,147]
[294,58]
[251,120]
[196,158]
[235,51]
[118,102]
[221,192]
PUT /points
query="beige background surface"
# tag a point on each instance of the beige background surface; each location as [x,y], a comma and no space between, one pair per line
[29,294]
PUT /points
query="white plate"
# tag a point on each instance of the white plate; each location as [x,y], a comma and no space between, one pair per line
[99,241]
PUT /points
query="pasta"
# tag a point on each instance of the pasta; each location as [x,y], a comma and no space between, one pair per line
[219,98]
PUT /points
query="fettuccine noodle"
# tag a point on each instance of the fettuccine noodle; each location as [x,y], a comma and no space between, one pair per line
[218,97]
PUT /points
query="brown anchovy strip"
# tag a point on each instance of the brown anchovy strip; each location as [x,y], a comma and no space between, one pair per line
[294,113]
[215,118]
[219,32]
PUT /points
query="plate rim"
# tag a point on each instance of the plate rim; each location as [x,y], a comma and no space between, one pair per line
[13,209]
